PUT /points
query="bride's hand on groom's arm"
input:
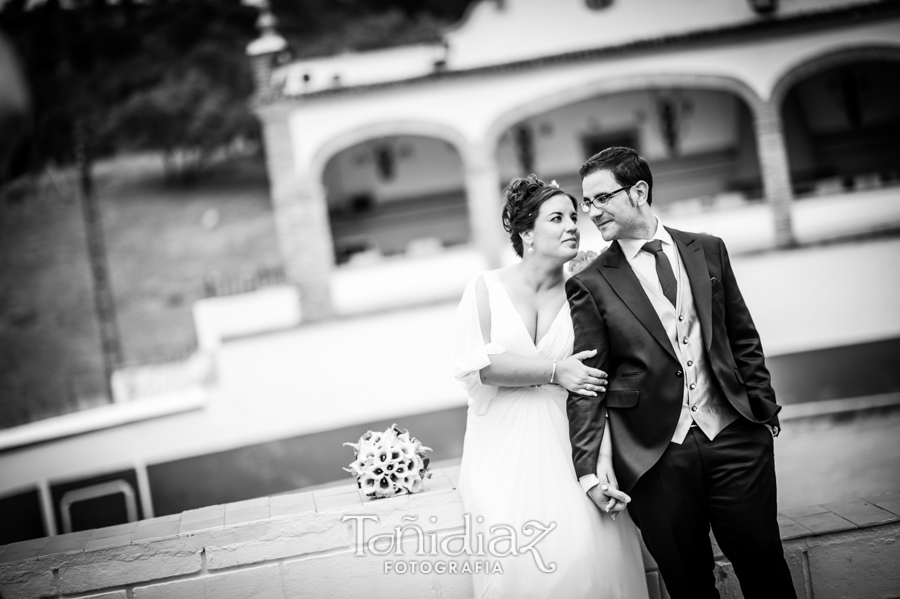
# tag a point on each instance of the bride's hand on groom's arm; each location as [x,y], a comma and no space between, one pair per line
[579,378]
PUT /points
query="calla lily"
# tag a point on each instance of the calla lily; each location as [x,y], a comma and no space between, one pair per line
[389,463]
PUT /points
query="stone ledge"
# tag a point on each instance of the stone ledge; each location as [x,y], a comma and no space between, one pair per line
[277,541]
[794,523]
[102,417]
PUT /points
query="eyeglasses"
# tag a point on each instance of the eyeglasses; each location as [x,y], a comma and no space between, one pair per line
[599,201]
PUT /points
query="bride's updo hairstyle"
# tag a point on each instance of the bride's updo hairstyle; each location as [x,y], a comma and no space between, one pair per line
[524,196]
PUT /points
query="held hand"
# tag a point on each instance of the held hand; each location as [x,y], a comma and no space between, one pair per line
[607,495]
[578,378]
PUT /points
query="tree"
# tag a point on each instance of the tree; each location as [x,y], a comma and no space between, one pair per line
[169,76]
[14,112]
[161,76]
[321,27]
[172,75]
[187,116]
[94,67]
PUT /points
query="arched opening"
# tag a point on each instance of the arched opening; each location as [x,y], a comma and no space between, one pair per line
[395,195]
[700,144]
[841,124]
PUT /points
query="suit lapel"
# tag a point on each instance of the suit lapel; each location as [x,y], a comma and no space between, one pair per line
[616,270]
[694,260]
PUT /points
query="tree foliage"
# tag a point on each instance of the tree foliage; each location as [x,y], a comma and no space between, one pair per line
[14,110]
[172,75]
[321,27]
[165,76]
[198,104]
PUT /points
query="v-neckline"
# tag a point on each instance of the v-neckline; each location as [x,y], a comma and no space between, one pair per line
[522,320]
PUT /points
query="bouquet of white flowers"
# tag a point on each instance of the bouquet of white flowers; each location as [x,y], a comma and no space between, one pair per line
[389,463]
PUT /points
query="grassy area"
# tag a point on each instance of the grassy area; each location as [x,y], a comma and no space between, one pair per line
[162,242]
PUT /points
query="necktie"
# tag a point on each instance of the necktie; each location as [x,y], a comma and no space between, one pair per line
[663,269]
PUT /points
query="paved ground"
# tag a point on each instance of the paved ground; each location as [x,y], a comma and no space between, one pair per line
[820,460]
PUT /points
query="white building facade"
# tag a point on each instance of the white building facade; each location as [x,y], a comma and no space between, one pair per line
[402,153]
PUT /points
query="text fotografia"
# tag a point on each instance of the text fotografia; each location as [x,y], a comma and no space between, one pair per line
[442,567]
[503,541]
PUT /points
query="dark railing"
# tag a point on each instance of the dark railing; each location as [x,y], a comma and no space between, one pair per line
[696,176]
[390,227]
[218,285]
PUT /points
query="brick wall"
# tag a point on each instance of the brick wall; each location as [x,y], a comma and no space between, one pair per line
[296,545]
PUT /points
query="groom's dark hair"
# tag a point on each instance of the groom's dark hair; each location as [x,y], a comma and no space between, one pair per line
[626,166]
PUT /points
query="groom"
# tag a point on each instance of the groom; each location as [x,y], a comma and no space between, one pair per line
[691,410]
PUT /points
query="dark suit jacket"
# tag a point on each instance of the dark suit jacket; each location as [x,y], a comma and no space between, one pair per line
[611,313]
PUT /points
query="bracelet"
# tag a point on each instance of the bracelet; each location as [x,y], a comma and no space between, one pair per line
[552,373]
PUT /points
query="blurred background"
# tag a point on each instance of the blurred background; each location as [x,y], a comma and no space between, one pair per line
[233,234]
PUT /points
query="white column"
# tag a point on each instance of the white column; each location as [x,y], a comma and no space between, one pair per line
[484,198]
[144,492]
[304,235]
[47,512]
[775,170]
[301,219]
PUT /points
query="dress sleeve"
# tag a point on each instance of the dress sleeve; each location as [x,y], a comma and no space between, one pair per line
[472,352]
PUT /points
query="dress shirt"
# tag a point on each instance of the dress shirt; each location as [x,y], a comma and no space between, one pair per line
[644,263]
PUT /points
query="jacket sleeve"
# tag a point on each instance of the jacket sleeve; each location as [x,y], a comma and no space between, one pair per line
[746,346]
[585,413]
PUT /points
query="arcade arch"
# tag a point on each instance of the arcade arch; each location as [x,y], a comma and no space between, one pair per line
[841,115]
[395,195]
[700,141]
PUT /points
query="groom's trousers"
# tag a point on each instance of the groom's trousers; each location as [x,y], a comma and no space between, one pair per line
[729,484]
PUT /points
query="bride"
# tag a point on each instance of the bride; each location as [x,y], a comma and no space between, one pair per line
[514,359]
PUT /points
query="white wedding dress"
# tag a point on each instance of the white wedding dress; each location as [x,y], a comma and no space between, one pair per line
[517,467]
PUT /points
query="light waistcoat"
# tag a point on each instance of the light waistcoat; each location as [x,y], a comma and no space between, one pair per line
[703,402]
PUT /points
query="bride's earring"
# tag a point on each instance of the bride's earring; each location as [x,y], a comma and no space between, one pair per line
[529,243]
